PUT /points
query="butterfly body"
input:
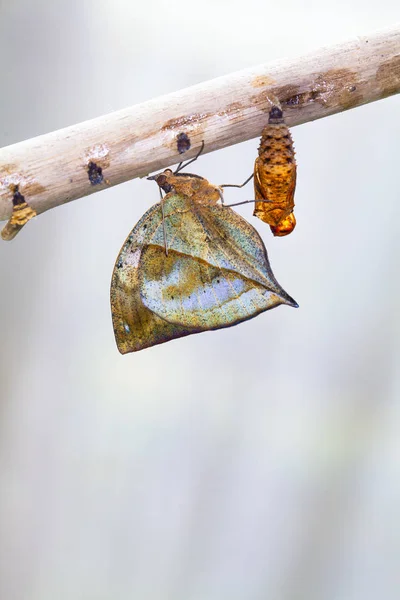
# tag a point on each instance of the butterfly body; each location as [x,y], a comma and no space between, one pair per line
[216,272]
[275,176]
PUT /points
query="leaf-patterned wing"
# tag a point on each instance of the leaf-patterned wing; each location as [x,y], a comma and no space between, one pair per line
[236,245]
[135,326]
[216,273]
[189,291]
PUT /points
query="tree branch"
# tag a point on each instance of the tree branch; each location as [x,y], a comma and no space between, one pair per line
[64,165]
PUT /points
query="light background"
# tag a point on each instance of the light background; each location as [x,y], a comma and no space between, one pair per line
[257,462]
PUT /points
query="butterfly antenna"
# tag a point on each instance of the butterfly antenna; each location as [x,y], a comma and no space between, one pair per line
[163,223]
[236,185]
[183,165]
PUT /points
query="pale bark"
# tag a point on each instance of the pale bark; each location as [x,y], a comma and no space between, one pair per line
[52,169]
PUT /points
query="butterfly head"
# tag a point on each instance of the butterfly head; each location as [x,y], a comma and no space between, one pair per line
[163,180]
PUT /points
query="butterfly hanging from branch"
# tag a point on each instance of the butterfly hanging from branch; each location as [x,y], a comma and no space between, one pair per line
[190,265]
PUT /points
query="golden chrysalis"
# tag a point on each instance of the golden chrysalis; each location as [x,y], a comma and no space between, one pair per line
[275,176]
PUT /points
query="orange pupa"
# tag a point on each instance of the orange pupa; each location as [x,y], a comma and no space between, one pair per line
[275,176]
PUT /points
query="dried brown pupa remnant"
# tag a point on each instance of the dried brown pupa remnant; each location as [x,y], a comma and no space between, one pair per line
[97,159]
[21,214]
[275,176]
[95,173]
[183,142]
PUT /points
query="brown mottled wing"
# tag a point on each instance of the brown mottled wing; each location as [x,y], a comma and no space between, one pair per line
[135,326]
[216,274]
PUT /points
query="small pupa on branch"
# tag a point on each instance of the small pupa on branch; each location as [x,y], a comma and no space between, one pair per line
[21,214]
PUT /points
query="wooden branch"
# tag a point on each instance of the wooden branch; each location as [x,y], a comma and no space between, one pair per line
[58,167]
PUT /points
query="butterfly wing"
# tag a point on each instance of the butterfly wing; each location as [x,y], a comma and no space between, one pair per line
[135,326]
[216,273]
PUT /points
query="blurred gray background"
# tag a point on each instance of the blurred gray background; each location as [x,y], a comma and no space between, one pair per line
[257,462]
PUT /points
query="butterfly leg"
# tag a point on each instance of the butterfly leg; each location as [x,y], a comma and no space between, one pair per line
[237,185]
[246,202]
[183,165]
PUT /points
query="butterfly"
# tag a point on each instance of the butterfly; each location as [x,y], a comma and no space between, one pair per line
[189,265]
[275,176]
